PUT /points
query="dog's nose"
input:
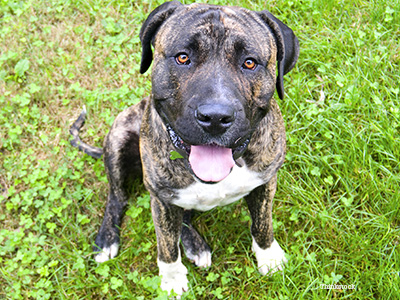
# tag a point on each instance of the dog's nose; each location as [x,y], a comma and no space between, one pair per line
[215,118]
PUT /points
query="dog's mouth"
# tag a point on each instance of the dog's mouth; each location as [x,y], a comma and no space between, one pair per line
[210,163]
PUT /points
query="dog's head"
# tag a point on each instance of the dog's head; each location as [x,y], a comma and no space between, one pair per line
[214,73]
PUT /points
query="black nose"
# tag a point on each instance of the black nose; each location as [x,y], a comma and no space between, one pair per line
[215,118]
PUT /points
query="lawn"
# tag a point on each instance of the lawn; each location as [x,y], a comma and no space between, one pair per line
[336,210]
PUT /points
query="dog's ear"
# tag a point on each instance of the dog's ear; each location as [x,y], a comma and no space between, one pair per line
[288,47]
[150,28]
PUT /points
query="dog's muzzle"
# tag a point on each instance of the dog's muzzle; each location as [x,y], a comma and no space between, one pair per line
[210,163]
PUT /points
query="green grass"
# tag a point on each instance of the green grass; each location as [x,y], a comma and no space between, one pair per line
[336,211]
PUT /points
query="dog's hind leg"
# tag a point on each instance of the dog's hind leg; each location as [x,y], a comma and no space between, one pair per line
[196,249]
[123,167]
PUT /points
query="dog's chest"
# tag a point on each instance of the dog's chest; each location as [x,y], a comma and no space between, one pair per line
[201,196]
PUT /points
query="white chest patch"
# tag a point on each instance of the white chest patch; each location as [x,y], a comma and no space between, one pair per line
[202,196]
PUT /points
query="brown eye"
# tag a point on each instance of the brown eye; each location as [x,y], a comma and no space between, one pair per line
[249,64]
[182,59]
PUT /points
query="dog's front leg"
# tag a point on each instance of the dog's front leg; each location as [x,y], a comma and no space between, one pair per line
[168,225]
[270,256]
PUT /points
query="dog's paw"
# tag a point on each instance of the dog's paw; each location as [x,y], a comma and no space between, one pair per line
[173,277]
[202,259]
[196,249]
[271,259]
[107,253]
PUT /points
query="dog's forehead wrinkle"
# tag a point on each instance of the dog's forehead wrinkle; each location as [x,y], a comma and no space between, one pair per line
[220,32]
[231,37]
[214,19]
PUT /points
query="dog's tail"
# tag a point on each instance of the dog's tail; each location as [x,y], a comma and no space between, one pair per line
[77,142]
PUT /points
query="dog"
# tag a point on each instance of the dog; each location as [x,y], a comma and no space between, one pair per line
[215,70]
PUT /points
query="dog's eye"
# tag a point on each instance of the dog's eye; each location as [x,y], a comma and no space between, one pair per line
[182,59]
[250,64]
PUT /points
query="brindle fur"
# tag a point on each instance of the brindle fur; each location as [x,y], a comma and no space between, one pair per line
[138,142]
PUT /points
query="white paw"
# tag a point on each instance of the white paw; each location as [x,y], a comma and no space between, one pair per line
[107,253]
[202,260]
[173,277]
[271,259]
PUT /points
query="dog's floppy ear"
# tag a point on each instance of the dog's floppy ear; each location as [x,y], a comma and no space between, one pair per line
[288,47]
[149,30]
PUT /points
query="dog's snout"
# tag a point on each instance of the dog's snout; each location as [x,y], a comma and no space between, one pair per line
[215,118]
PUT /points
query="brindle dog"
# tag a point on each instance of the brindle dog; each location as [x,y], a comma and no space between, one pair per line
[214,73]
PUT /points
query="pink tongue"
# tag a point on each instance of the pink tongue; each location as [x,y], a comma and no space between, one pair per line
[211,163]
